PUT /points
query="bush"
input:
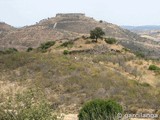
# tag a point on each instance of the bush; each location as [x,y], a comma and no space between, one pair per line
[110,40]
[101,21]
[45,46]
[67,44]
[29,49]
[1,52]
[153,67]
[84,37]
[126,49]
[65,52]
[100,110]
[139,54]
[145,84]
[9,51]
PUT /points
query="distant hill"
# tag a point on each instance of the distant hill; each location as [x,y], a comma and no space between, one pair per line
[148,31]
[70,26]
[142,28]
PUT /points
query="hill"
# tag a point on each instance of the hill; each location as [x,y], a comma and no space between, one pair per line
[142,28]
[70,26]
[79,23]
[89,71]
[151,34]
[149,31]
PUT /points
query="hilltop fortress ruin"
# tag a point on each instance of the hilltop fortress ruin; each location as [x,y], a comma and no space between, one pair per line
[69,15]
[81,24]
[75,22]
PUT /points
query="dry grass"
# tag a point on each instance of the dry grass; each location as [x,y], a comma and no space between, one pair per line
[71,80]
[9,89]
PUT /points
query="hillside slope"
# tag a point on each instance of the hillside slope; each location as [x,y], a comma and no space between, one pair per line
[106,71]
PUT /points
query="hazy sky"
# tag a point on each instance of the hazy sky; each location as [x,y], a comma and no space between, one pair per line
[121,12]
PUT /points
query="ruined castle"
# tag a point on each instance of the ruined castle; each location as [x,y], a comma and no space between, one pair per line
[75,22]
[70,15]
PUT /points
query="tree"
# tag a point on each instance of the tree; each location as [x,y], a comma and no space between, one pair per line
[96,33]
[29,49]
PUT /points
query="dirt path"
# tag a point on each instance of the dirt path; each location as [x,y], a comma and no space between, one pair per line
[71,117]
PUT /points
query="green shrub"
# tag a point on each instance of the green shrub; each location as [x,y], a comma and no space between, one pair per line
[1,52]
[65,52]
[145,84]
[29,49]
[126,49]
[153,67]
[101,21]
[45,46]
[67,44]
[139,54]
[10,51]
[110,40]
[100,110]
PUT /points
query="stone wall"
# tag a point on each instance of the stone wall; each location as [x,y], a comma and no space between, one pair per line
[68,15]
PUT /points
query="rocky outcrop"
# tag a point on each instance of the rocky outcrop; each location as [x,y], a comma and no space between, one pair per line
[5,27]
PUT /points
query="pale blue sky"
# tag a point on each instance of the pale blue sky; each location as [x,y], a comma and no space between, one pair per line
[121,12]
